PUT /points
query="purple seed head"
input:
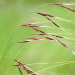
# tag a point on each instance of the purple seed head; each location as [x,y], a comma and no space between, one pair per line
[58,36]
[35,29]
[37,38]
[17,61]
[34,26]
[26,24]
[42,34]
[41,14]
[34,38]
[49,38]
[23,41]
[25,68]
[19,65]
[38,30]
[53,22]
[31,72]
[28,71]
[49,15]
[62,43]
[20,71]
[58,3]
[73,10]
[68,8]
[65,46]
[45,14]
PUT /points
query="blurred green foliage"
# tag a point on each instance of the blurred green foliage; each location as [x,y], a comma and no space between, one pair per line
[15,12]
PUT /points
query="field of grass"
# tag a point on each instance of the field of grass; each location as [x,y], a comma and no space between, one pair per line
[44,57]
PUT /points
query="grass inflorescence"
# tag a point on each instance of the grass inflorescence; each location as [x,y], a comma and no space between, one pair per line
[40,34]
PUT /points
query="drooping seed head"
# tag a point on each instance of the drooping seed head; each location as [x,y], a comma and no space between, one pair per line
[38,30]
[19,65]
[34,26]
[66,47]
[41,14]
[50,15]
[58,3]
[50,38]
[58,36]
[31,72]
[73,10]
[37,38]
[37,26]
[63,44]
[24,41]
[45,14]
[17,61]
[28,71]
[26,24]
[41,34]
[20,71]
[53,22]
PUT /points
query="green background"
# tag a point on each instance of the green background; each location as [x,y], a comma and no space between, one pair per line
[14,13]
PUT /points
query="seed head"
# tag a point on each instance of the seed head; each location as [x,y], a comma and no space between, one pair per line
[26,24]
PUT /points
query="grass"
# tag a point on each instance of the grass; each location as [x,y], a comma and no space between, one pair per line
[37,51]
